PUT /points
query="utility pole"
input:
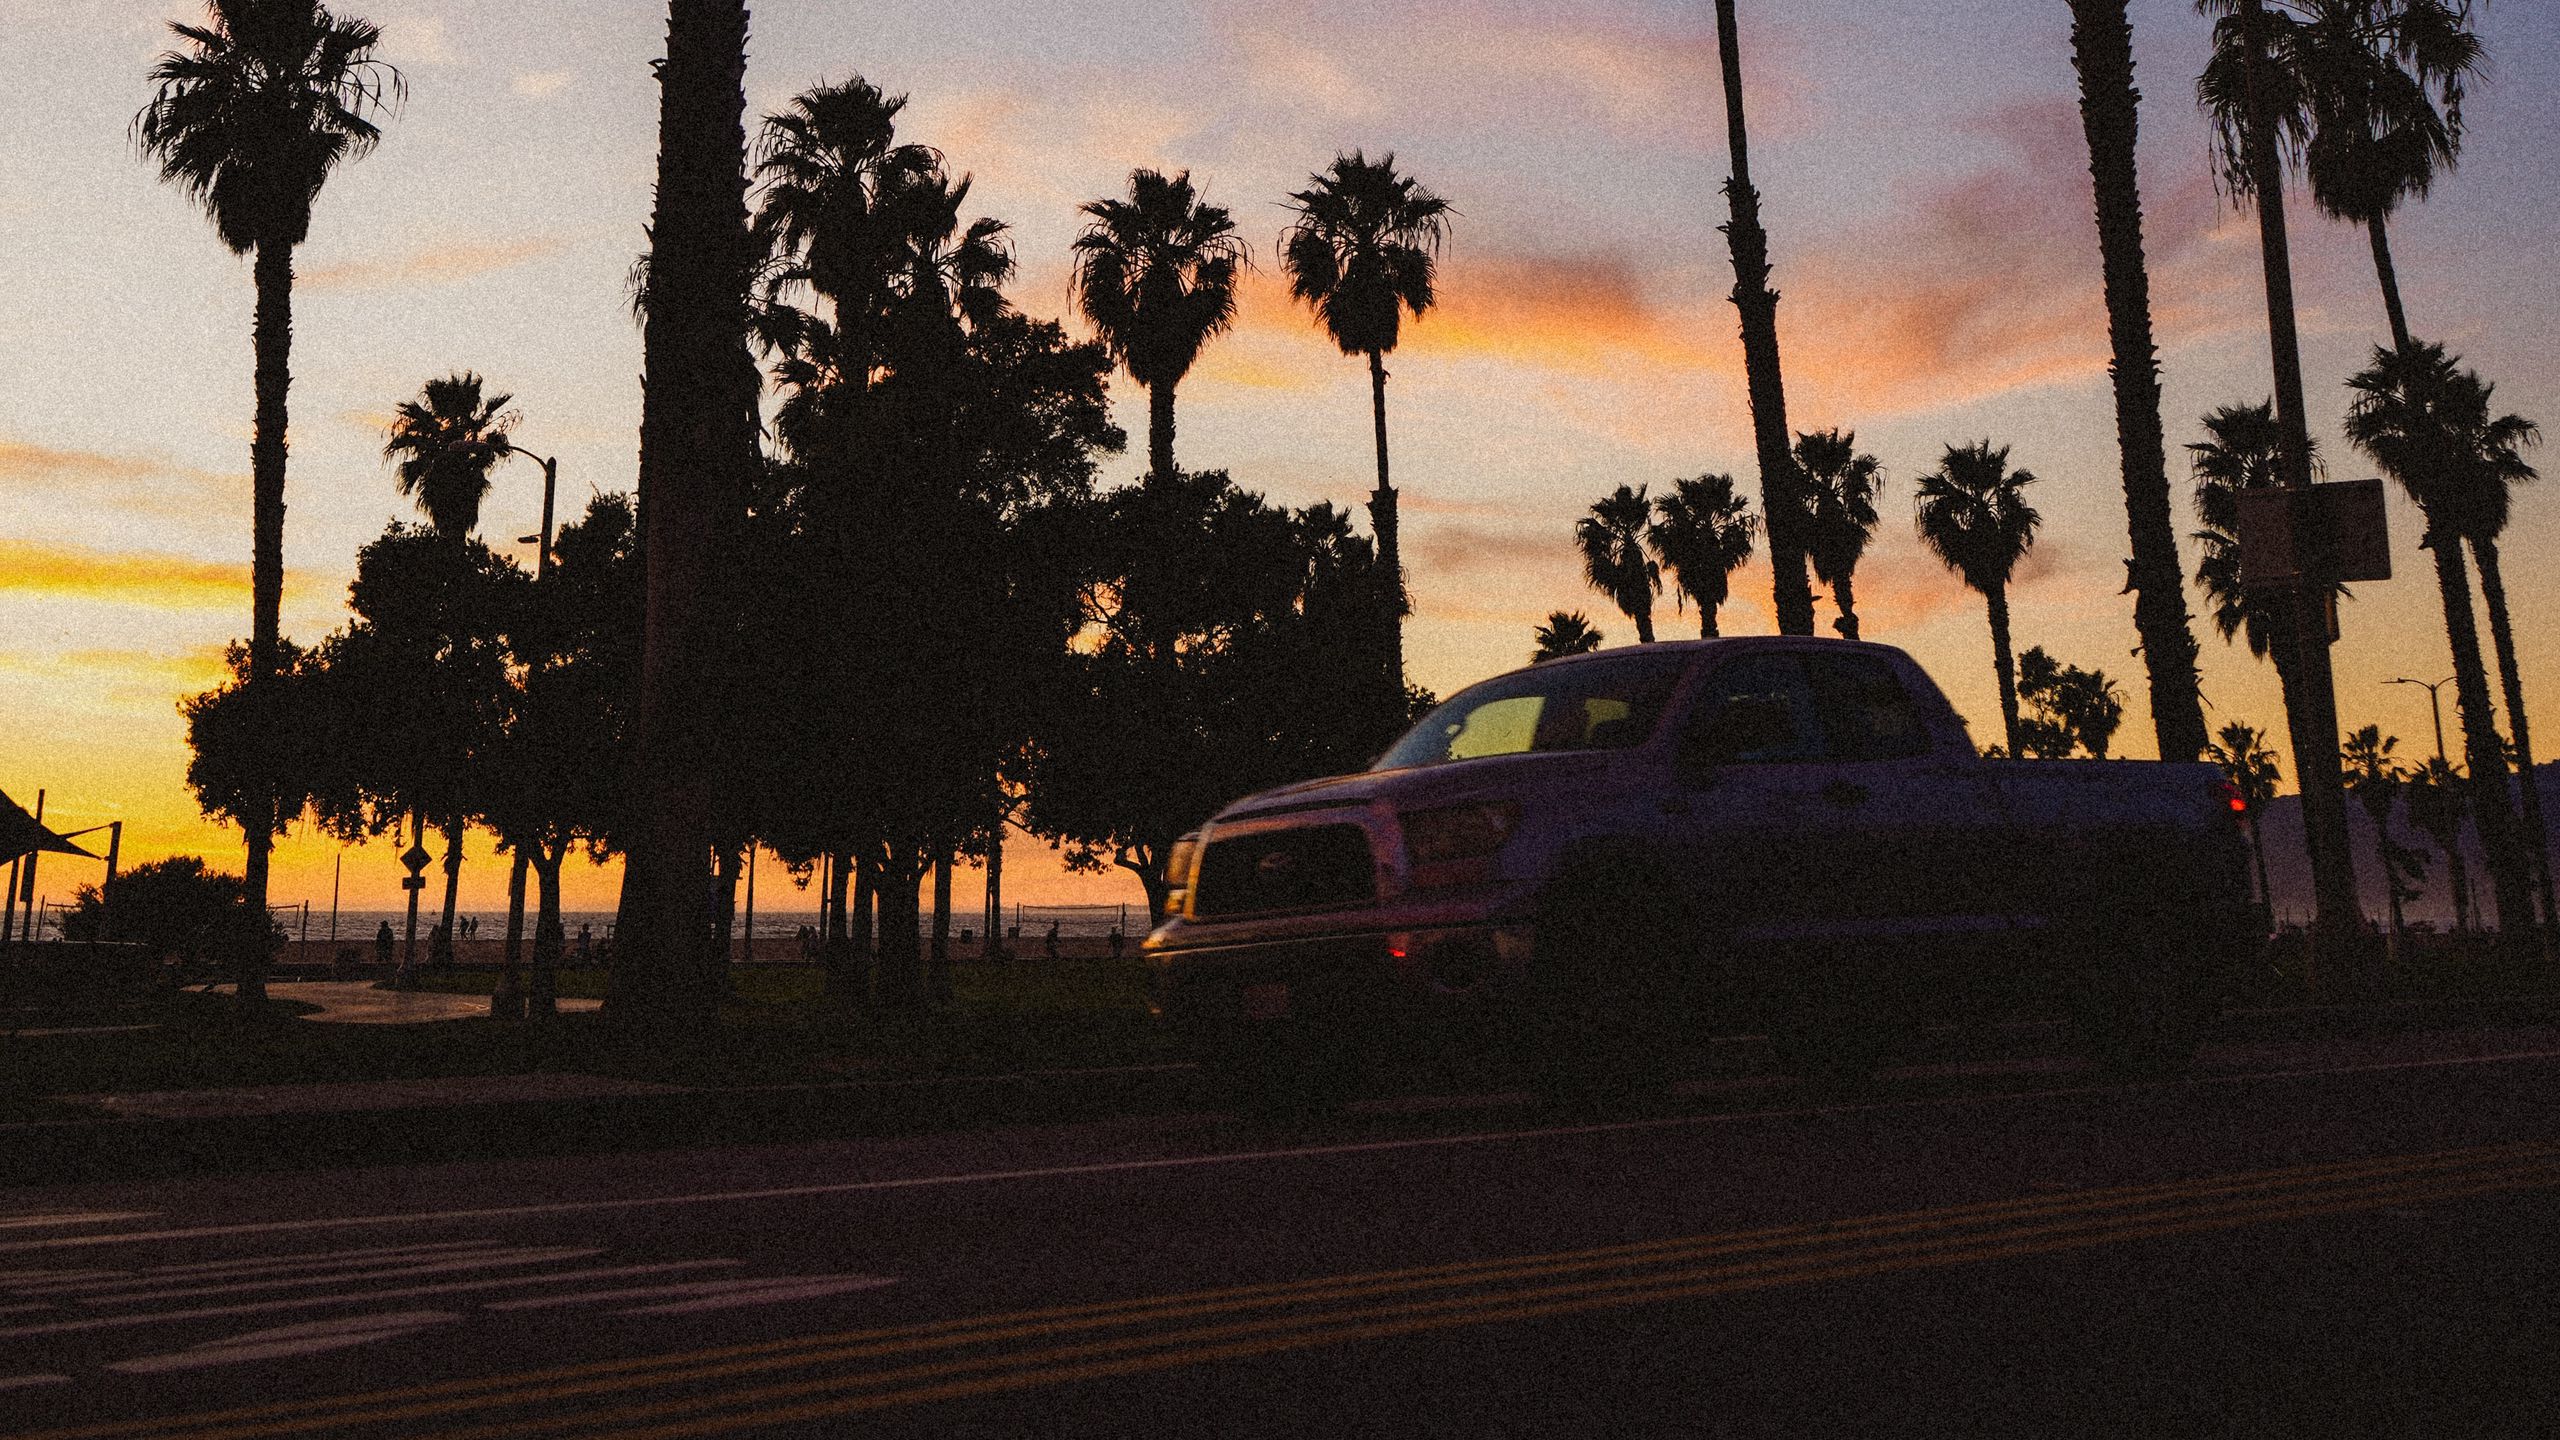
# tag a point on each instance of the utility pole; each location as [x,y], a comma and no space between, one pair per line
[506,998]
[2435,706]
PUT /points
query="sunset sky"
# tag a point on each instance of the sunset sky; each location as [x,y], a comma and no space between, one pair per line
[1925,191]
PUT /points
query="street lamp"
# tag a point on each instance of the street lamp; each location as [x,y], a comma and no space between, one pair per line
[2435,707]
[507,1000]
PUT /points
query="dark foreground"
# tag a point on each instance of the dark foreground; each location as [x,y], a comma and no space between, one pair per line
[2329,1237]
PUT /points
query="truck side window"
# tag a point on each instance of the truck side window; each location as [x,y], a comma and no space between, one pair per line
[1866,713]
[1755,710]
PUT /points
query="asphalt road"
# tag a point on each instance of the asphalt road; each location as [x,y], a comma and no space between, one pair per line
[2321,1238]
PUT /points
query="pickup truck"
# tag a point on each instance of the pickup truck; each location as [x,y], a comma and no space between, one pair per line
[1589,862]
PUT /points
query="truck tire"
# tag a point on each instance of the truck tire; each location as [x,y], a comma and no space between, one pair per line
[1608,996]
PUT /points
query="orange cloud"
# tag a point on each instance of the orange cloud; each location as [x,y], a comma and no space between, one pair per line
[130,577]
[158,484]
[436,265]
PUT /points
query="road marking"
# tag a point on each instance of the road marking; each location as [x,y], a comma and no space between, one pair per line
[288,1342]
[1231,1157]
[763,1289]
[24,1382]
[485,1260]
[309,1257]
[1362,1306]
[84,1217]
[778,1291]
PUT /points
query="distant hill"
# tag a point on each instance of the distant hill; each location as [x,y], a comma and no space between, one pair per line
[2289,863]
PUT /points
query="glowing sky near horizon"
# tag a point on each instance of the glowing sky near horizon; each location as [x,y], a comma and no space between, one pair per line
[1926,195]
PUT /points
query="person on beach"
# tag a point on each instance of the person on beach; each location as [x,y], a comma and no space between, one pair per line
[1049,946]
[382,944]
[586,942]
[1118,942]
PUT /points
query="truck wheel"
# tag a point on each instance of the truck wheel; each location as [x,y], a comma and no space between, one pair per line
[2138,1011]
[1607,995]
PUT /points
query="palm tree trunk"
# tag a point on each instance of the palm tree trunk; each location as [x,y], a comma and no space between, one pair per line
[938,957]
[2502,638]
[2006,664]
[900,969]
[1641,612]
[1707,621]
[2482,755]
[994,947]
[697,447]
[271,341]
[1160,430]
[452,887]
[2389,274]
[2102,51]
[1781,499]
[2311,711]
[835,947]
[2258,849]
[542,979]
[1382,518]
[1844,594]
[506,1002]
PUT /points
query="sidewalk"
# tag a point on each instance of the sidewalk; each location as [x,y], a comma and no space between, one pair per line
[357,1002]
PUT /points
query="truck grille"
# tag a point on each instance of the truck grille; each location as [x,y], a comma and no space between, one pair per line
[1285,870]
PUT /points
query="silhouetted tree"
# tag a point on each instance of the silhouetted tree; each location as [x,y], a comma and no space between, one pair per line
[1779,480]
[2068,708]
[1701,533]
[1566,632]
[1364,253]
[1156,276]
[2102,53]
[1973,514]
[698,427]
[248,116]
[179,909]
[2377,780]
[1611,540]
[2426,423]
[2250,765]
[444,444]
[2439,801]
[2247,128]
[2243,450]
[829,214]
[1840,487]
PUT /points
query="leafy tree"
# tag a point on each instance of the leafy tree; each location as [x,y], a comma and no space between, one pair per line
[1840,487]
[829,213]
[2102,54]
[2250,765]
[2068,708]
[249,753]
[1701,533]
[1156,276]
[1749,242]
[445,443]
[2426,423]
[249,116]
[179,909]
[1565,633]
[1224,641]
[1363,253]
[1973,514]
[698,455]
[1611,538]
[2243,450]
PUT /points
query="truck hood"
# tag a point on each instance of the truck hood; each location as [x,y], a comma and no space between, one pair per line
[1502,777]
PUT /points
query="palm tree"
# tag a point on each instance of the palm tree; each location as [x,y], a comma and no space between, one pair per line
[1565,633]
[248,117]
[1840,487]
[1611,538]
[446,442]
[698,446]
[1364,253]
[2243,450]
[2249,763]
[2426,423]
[2369,100]
[1973,513]
[1156,275]
[2438,805]
[1701,533]
[2246,102]
[1762,376]
[829,167]
[2376,779]
[2102,53]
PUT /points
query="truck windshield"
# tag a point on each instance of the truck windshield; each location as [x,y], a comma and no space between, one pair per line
[1601,704]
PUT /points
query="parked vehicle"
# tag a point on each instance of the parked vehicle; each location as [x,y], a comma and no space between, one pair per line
[1587,862]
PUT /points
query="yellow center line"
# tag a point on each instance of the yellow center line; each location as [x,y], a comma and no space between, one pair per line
[1168,1349]
[486,1393]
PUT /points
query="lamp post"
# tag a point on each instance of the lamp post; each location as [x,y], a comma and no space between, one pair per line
[2435,706]
[506,1001]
